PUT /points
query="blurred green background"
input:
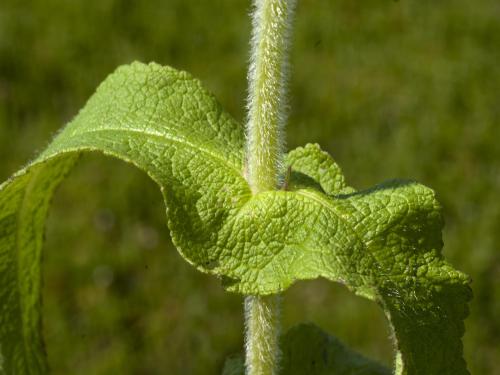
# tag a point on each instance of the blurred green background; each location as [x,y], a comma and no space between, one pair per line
[405,89]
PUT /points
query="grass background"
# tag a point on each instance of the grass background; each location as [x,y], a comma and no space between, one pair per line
[391,89]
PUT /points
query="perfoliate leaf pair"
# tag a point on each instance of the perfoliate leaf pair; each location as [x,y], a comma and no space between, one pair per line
[383,243]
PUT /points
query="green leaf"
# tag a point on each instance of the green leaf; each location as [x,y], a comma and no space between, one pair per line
[394,258]
[383,243]
[315,163]
[156,118]
[308,350]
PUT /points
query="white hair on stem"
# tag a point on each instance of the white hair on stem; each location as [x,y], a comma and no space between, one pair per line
[267,109]
[267,95]
[263,333]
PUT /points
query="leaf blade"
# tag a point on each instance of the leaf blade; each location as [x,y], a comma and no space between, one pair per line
[164,122]
[136,94]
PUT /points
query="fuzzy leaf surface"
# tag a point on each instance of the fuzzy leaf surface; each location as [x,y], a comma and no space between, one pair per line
[383,243]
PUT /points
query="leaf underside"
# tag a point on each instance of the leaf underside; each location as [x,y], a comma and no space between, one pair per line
[383,243]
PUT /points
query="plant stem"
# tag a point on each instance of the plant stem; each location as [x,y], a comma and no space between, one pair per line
[262,316]
[264,158]
[267,92]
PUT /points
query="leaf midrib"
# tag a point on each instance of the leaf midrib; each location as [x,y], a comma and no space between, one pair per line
[165,139]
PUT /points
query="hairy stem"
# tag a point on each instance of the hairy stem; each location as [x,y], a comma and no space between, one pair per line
[267,102]
[262,316]
[264,157]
